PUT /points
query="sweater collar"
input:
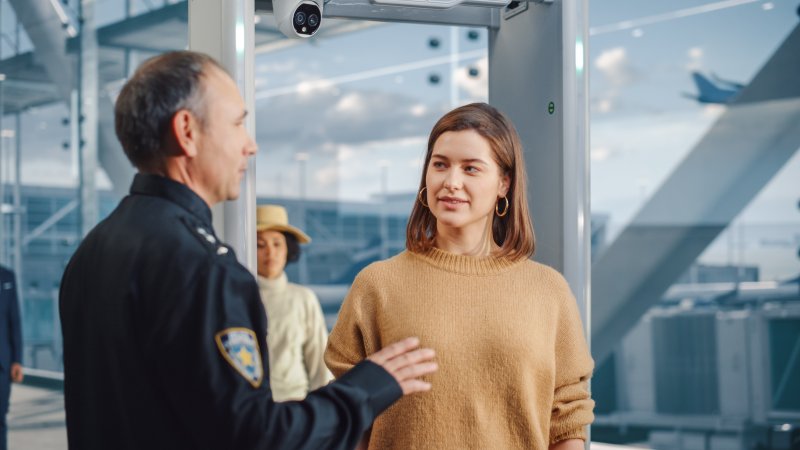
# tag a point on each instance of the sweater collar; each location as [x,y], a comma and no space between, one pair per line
[465,265]
[277,284]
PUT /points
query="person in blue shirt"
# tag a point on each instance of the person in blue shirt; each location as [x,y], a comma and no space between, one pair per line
[10,345]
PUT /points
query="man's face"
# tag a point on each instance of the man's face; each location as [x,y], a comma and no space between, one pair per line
[223,144]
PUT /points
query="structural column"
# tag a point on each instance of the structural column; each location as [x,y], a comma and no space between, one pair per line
[18,209]
[536,76]
[224,29]
[87,119]
[537,61]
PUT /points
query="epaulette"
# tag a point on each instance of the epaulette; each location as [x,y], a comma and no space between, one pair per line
[206,237]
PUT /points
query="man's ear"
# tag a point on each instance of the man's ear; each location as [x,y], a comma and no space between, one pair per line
[185,130]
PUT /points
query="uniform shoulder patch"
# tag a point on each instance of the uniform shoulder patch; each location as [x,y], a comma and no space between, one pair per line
[239,346]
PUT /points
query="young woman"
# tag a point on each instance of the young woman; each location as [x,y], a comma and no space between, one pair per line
[297,333]
[513,361]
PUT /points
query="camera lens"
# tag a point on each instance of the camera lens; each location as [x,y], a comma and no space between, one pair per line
[300,18]
[313,20]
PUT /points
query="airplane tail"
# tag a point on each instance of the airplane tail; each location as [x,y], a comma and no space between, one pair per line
[709,92]
[728,83]
[704,86]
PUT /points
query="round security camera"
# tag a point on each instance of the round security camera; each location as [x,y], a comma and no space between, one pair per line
[298,18]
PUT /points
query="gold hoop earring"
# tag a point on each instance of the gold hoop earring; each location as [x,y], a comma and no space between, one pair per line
[505,210]
[420,197]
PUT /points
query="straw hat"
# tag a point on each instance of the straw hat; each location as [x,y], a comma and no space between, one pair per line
[274,217]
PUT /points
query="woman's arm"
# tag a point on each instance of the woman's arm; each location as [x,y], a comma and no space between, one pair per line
[569,444]
[363,444]
[572,405]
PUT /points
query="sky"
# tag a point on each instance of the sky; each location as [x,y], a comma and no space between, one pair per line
[347,117]
[643,126]
[359,111]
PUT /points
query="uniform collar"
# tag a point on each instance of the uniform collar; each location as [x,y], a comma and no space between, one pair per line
[178,193]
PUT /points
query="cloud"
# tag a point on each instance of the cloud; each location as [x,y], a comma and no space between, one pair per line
[639,159]
[618,72]
[713,110]
[352,171]
[476,86]
[351,104]
[312,87]
[602,105]
[276,67]
[310,121]
[345,153]
[328,177]
[616,67]
[695,55]
[346,135]
[600,154]
[419,110]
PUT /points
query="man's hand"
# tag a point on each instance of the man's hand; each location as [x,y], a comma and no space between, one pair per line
[406,363]
[16,372]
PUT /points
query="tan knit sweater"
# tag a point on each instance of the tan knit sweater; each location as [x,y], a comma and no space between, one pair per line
[513,361]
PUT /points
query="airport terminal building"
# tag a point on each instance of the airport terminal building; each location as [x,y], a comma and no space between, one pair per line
[660,145]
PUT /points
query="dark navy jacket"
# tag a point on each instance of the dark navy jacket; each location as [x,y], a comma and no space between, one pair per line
[10,329]
[163,332]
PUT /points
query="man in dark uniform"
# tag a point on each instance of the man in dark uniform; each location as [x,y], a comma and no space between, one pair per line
[163,328]
[10,345]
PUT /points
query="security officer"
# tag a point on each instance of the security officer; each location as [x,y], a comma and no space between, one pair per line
[162,326]
[10,345]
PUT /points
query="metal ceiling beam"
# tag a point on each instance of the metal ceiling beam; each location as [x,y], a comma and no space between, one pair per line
[466,16]
[49,38]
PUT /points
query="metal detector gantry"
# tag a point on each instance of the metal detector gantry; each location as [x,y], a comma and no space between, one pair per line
[537,75]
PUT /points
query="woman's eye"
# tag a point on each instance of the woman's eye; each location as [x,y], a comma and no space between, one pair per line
[471,169]
[438,165]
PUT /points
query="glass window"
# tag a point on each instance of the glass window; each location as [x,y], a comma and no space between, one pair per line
[686,147]
[342,127]
[39,165]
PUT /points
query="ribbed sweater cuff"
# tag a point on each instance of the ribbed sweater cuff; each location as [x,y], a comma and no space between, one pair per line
[382,388]
[565,434]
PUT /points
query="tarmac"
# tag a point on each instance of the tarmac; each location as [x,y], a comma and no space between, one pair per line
[36,419]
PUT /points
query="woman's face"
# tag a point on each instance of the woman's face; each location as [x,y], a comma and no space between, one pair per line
[271,253]
[464,181]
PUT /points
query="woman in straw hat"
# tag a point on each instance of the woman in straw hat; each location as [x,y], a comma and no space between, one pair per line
[513,361]
[296,335]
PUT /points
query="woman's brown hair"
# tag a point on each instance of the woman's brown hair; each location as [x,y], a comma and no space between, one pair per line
[512,232]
